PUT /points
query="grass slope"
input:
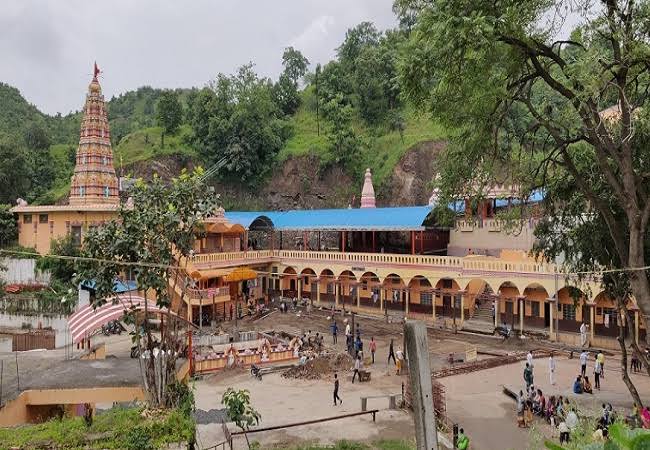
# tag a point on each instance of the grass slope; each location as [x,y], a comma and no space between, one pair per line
[382,148]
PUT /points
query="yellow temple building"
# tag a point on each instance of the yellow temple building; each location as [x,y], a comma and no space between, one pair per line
[94,193]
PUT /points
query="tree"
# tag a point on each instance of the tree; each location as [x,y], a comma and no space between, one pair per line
[286,92]
[240,410]
[8,228]
[317,74]
[356,39]
[528,106]
[15,171]
[149,240]
[295,65]
[237,120]
[343,143]
[169,113]
[60,269]
[36,137]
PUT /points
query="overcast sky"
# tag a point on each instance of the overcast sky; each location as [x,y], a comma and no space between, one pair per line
[48,47]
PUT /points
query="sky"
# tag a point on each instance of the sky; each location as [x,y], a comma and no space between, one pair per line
[48,47]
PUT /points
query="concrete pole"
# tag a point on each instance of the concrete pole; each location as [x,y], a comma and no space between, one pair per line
[336,295]
[299,282]
[496,312]
[592,322]
[424,415]
[381,298]
[522,306]
[408,300]
[462,309]
[550,321]
[358,296]
[433,306]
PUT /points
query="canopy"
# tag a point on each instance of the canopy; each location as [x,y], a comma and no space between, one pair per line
[407,218]
[207,274]
[240,274]
[87,320]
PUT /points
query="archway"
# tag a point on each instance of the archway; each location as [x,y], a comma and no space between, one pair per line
[288,282]
[572,309]
[326,285]
[309,283]
[479,298]
[535,315]
[369,289]
[508,295]
[448,289]
[349,286]
[395,292]
[422,295]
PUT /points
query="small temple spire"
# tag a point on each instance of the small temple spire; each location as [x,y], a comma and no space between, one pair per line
[368,191]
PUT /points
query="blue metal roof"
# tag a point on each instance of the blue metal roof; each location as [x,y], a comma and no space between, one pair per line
[119,286]
[408,218]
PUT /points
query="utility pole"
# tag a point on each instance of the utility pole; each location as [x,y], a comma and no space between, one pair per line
[426,434]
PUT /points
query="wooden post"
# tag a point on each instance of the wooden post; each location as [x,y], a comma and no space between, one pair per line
[374,250]
[417,347]
[421,243]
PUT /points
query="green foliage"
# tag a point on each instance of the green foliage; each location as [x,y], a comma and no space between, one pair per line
[117,428]
[621,437]
[240,410]
[237,120]
[15,170]
[343,143]
[8,228]
[286,92]
[62,270]
[169,113]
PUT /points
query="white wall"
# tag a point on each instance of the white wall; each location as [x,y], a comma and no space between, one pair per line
[22,271]
[487,239]
[58,323]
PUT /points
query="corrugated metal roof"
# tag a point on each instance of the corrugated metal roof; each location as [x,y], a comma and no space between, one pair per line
[406,218]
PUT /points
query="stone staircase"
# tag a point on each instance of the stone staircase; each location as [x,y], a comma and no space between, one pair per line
[481,321]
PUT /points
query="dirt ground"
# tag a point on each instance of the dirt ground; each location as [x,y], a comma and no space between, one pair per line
[474,400]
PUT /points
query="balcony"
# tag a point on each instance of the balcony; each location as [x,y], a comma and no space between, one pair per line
[470,266]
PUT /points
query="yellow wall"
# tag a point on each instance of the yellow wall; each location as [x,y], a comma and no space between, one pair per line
[39,235]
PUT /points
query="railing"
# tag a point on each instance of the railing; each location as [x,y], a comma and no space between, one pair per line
[361,259]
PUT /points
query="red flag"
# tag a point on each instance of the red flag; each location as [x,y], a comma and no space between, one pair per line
[96,72]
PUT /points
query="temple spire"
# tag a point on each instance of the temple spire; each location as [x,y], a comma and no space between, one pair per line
[94,180]
[368,191]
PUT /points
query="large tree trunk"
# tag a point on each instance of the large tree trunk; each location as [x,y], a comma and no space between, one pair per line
[639,283]
[624,373]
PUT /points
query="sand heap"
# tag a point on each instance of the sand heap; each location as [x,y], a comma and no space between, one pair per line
[321,366]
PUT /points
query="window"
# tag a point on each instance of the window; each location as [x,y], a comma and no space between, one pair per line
[107,191]
[76,235]
[330,288]
[569,311]
[82,191]
[447,284]
[42,218]
[426,298]
[534,309]
[104,160]
[27,218]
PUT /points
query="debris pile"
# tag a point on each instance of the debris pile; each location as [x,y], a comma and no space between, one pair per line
[319,366]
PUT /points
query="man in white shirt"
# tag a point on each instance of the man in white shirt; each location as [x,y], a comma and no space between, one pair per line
[551,369]
[583,334]
[529,359]
[583,362]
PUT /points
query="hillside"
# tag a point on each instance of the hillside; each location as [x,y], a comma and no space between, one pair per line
[304,181]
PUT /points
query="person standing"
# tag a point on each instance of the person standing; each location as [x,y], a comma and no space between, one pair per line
[336,390]
[597,373]
[601,359]
[335,329]
[583,362]
[400,360]
[528,376]
[373,348]
[583,334]
[529,358]
[357,368]
[551,369]
[391,353]
[462,441]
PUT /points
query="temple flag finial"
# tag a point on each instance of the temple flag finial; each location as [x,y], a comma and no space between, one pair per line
[96,72]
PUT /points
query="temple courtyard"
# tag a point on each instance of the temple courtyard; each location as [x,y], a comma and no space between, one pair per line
[474,400]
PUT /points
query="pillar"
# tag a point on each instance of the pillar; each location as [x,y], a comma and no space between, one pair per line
[592,322]
[433,306]
[299,286]
[358,296]
[522,307]
[552,306]
[497,312]
[343,241]
[318,291]
[408,300]
[336,294]
[636,326]
[373,242]
[412,242]
[381,298]
[462,308]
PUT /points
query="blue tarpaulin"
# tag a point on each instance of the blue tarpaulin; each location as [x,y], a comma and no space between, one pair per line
[119,287]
